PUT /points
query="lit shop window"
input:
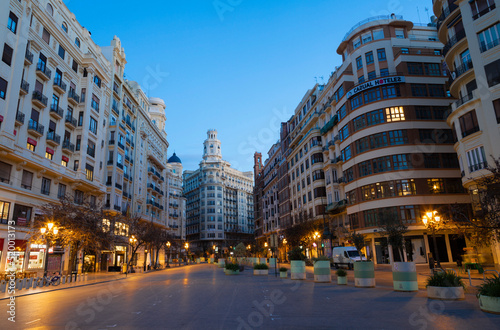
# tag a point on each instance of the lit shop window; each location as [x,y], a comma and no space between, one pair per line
[394,114]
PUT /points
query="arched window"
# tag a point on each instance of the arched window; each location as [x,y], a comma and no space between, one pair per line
[77,42]
[50,9]
[64,26]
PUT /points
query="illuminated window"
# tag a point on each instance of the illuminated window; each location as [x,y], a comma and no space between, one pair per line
[48,155]
[395,114]
[30,147]
[64,163]
[105,225]
[436,186]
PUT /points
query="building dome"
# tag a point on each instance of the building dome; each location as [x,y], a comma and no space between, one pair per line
[174,159]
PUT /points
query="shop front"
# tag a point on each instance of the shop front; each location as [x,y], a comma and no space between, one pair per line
[16,250]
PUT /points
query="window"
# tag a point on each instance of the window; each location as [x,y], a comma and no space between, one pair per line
[496,107]
[418,90]
[400,162]
[27,180]
[405,51]
[46,36]
[359,62]
[436,90]
[76,165]
[384,72]
[12,23]
[89,172]
[64,161]
[5,172]
[372,75]
[398,137]
[50,10]
[31,144]
[357,101]
[61,190]
[97,81]
[78,142]
[378,34]
[356,43]
[64,26]
[375,117]
[432,69]
[381,54]
[361,79]
[342,112]
[372,95]
[476,159]
[489,37]
[369,58]
[346,154]
[90,148]
[77,42]
[7,54]
[423,112]
[400,33]
[4,211]
[344,133]
[78,197]
[61,52]
[49,153]
[95,103]
[366,38]
[80,118]
[75,68]
[415,68]
[3,88]
[468,123]
[45,186]
[480,8]
[390,91]
[93,125]
[365,168]
[493,73]
[21,215]
[394,114]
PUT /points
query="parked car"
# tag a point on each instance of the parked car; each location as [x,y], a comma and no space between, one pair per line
[345,256]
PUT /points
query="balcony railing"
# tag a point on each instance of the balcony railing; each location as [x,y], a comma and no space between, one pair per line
[25,86]
[70,120]
[42,67]
[329,125]
[91,151]
[117,185]
[68,145]
[484,11]
[461,69]
[35,126]
[56,110]
[453,41]
[28,56]
[52,136]
[20,117]
[39,97]
[464,100]
[477,167]
[120,145]
[59,83]
[111,142]
[450,9]
[470,131]
[486,46]
[119,165]
[73,96]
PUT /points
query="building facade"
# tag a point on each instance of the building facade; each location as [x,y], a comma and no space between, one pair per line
[219,202]
[470,32]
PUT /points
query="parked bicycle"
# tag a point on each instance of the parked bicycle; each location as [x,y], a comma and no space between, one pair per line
[54,280]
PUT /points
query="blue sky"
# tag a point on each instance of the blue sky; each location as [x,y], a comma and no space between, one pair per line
[240,66]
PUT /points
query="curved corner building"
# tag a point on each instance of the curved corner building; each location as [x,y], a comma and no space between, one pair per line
[389,148]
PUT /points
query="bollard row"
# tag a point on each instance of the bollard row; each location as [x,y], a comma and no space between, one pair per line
[35,282]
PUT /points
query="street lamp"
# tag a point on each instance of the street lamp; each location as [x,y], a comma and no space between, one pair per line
[431,221]
[284,243]
[315,237]
[48,233]
[186,246]
[168,259]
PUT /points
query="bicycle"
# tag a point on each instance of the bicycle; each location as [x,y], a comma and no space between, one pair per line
[53,280]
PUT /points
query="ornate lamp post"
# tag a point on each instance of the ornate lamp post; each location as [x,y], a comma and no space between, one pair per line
[315,237]
[284,244]
[132,241]
[48,233]
[432,221]
[168,258]
[186,246]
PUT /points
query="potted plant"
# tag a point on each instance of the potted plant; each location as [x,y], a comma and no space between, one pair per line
[322,272]
[489,295]
[260,269]
[341,276]
[297,264]
[445,286]
[283,272]
[364,270]
[232,269]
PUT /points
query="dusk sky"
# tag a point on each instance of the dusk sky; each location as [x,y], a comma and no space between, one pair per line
[238,66]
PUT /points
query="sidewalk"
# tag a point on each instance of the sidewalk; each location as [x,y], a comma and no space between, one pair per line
[92,278]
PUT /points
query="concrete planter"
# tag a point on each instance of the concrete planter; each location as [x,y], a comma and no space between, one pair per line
[404,276]
[364,274]
[489,304]
[283,274]
[342,280]
[231,272]
[445,293]
[221,263]
[322,272]
[298,268]
[261,271]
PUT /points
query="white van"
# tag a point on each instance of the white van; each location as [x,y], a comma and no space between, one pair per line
[346,256]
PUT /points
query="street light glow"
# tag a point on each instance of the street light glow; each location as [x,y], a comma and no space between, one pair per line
[50,225]
[43,230]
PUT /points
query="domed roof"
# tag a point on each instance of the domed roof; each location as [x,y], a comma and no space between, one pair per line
[174,159]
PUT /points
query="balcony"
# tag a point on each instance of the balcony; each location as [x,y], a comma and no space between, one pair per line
[53,139]
[59,85]
[56,111]
[70,121]
[68,146]
[39,99]
[28,58]
[73,97]
[461,69]
[470,131]
[484,11]
[127,158]
[477,167]
[123,127]
[119,186]
[110,162]
[487,46]
[329,125]
[19,118]
[463,100]
[446,13]
[331,145]
[43,72]
[25,87]
[336,207]
[111,142]
[119,165]
[114,107]
[91,151]
[35,128]
[117,207]
[120,145]
[453,41]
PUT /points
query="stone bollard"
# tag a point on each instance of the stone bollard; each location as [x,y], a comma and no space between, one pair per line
[3,286]
[19,284]
[86,277]
[35,282]
[24,283]
[63,279]
[29,283]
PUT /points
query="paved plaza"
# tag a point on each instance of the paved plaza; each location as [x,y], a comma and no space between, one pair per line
[202,297]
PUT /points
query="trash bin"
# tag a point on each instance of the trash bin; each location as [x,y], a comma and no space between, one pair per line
[124,268]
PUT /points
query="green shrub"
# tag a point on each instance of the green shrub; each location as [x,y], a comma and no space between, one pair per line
[309,262]
[233,267]
[322,258]
[283,269]
[260,266]
[296,254]
[341,272]
[490,287]
[445,279]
